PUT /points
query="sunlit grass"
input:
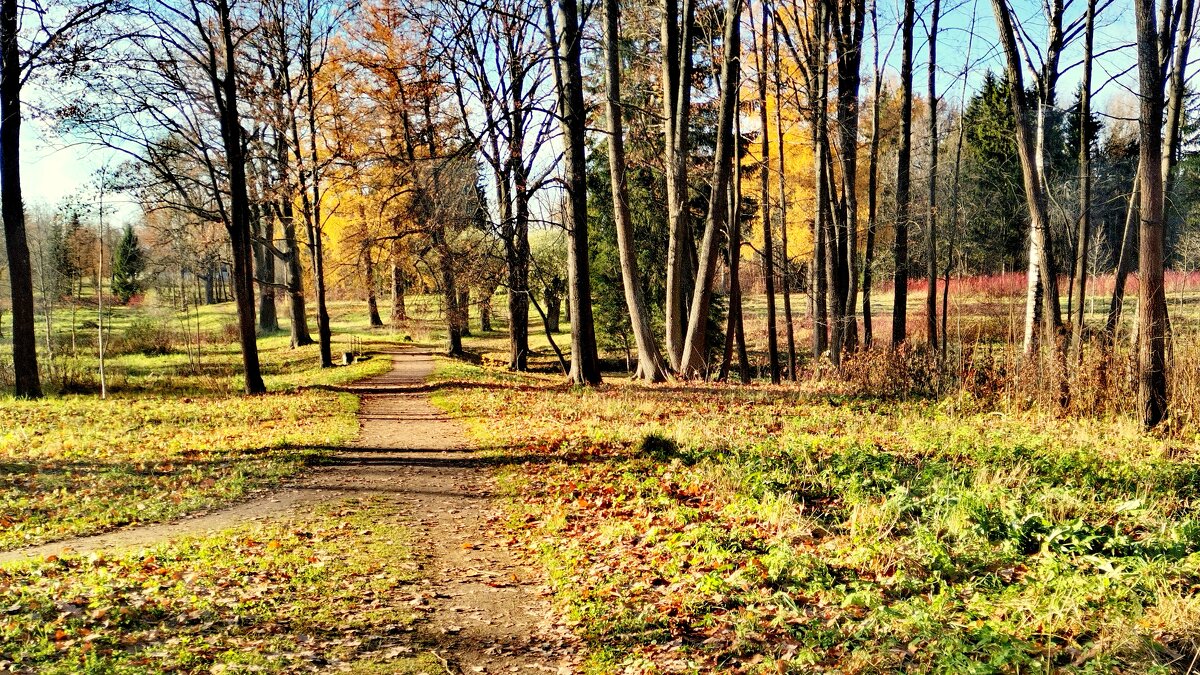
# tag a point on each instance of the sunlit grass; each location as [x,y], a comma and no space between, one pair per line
[725,527]
[328,589]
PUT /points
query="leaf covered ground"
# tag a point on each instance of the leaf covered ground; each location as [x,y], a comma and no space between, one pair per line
[329,590]
[706,528]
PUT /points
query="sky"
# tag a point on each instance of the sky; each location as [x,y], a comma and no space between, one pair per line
[53,170]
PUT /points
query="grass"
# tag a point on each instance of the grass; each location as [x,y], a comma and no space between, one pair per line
[172,438]
[702,528]
[328,590]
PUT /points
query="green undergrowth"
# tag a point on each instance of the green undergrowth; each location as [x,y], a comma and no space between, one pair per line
[327,591]
[701,528]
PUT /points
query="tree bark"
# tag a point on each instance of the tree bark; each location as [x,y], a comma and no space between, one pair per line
[1084,233]
[768,250]
[1032,177]
[568,75]
[369,279]
[650,363]
[677,29]
[849,23]
[399,310]
[696,344]
[1152,301]
[268,317]
[904,154]
[872,185]
[785,256]
[931,270]
[20,271]
[226,95]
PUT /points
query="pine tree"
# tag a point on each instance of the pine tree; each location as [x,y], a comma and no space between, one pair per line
[129,262]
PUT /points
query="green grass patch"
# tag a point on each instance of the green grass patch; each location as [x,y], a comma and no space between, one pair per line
[720,528]
[175,435]
[329,590]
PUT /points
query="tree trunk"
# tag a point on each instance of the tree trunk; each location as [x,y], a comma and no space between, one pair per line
[12,205]
[568,75]
[696,344]
[677,29]
[768,251]
[1152,301]
[931,270]
[872,185]
[399,311]
[553,297]
[293,277]
[485,313]
[464,311]
[650,363]
[372,301]
[268,317]
[1032,177]
[239,201]
[900,294]
[1084,232]
[785,256]
[849,23]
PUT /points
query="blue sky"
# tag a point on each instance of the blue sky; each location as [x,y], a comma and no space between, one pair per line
[53,171]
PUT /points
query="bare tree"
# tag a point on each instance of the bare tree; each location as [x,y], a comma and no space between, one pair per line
[903,180]
[1083,236]
[1030,149]
[932,213]
[566,40]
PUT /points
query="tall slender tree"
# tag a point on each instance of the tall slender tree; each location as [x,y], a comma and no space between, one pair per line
[903,180]
[566,41]
[696,345]
[650,363]
[931,214]
[678,27]
[768,249]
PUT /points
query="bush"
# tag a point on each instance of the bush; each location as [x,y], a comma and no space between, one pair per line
[146,336]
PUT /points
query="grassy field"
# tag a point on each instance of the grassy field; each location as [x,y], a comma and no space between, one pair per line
[832,525]
[699,527]
[331,590]
[175,434]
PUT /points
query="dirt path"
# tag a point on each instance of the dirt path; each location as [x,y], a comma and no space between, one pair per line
[486,611]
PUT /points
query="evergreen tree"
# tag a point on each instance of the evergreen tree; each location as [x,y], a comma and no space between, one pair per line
[129,261]
[65,270]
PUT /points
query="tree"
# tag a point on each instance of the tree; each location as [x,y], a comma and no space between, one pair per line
[1086,143]
[695,345]
[51,46]
[496,57]
[650,363]
[768,254]
[129,261]
[169,99]
[566,41]
[903,181]
[1042,268]
[932,214]
[678,28]
[1157,47]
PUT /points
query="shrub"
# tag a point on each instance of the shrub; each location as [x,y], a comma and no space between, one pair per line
[146,336]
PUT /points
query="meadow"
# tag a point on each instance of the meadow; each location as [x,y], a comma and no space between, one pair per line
[947,522]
